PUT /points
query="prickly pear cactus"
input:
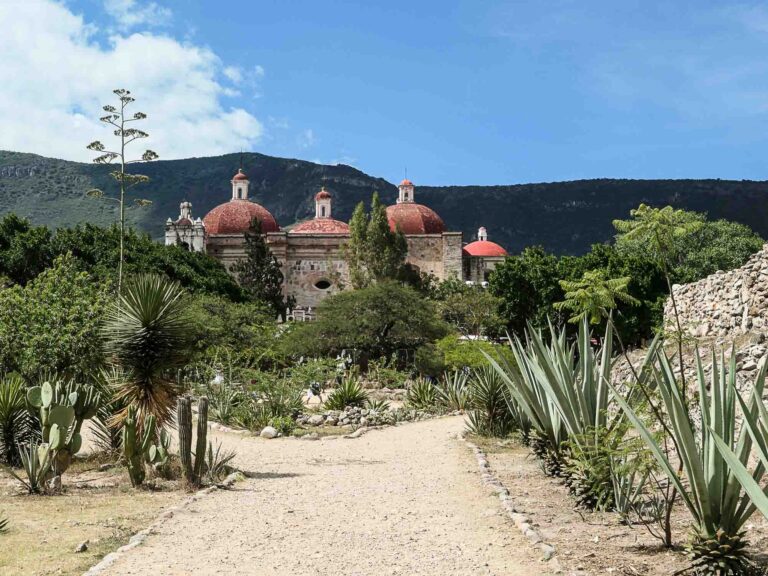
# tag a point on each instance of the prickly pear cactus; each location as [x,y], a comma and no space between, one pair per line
[62,409]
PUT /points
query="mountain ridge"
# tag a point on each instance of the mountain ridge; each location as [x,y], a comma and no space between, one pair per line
[565,217]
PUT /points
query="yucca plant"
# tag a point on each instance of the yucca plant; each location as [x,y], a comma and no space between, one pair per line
[453,391]
[708,483]
[146,334]
[107,432]
[349,393]
[488,413]
[421,395]
[16,425]
[217,463]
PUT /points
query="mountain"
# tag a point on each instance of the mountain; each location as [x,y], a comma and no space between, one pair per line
[564,217]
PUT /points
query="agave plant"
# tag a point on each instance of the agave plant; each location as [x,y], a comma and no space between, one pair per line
[421,395]
[146,334]
[713,460]
[453,392]
[106,429]
[16,425]
[488,413]
[36,462]
[217,463]
[349,393]
[378,406]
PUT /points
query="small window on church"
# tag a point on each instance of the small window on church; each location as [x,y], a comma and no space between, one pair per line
[322,284]
[322,211]
[239,192]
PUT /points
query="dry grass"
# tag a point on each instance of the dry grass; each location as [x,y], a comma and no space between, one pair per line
[100,507]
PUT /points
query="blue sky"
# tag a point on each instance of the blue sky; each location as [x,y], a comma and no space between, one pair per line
[460,92]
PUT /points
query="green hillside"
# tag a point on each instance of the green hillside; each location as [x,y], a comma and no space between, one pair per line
[565,217]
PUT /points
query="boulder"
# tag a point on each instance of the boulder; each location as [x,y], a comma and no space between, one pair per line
[268,432]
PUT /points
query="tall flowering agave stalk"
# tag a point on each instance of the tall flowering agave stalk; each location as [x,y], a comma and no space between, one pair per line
[713,458]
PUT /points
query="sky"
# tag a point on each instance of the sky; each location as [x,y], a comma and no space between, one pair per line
[453,91]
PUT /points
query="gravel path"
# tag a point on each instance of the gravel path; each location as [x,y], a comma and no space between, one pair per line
[404,500]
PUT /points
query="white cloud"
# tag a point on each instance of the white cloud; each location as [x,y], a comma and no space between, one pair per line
[130,13]
[53,88]
[306,139]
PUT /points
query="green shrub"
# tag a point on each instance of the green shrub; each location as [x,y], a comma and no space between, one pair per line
[489,414]
[421,395]
[349,393]
[462,354]
[429,360]
[285,425]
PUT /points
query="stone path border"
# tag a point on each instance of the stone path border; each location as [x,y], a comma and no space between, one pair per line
[138,538]
[522,521]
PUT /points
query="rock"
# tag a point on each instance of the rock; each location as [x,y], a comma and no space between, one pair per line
[316,420]
[54,484]
[268,432]
[82,547]
[330,421]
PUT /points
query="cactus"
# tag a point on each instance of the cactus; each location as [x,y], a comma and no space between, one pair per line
[194,468]
[62,409]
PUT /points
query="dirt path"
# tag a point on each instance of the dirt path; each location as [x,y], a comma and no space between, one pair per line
[400,501]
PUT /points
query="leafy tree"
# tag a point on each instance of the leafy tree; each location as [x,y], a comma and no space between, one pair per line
[718,245]
[117,117]
[594,295]
[377,321]
[459,354]
[259,272]
[52,324]
[246,330]
[374,253]
[528,284]
[25,250]
[470,309]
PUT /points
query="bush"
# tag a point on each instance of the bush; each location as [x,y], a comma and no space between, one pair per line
[462,354]
[422,395]
[16,425]
[430,361]
[285,425]
[349,393]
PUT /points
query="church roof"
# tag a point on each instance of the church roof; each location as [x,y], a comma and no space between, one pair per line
[484,248]
[406,182]
[323,195]
[321,226]
[412,218]
[240,175]
[235,216]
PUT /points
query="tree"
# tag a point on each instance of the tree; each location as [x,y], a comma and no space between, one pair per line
[146,333]
[594,295]
[25,250]
[472,310]
[377,321]
[118,118]
[259,272]
[52,324]
[374,252]
[528,285]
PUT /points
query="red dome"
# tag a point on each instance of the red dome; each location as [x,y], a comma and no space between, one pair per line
[240,175]
[413,218]
[406,182]
[321,226]
[235,216]
[484,248]
[323,195]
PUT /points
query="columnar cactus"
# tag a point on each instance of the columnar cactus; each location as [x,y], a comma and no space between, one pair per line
[62,411]
[193,467]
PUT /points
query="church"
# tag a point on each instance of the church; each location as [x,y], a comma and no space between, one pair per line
[311,252]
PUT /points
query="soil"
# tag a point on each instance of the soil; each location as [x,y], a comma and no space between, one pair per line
[405,500]
[99,507]
[591,543]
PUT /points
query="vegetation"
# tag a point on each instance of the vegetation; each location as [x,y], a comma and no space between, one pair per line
[259,273]
[146,334]
[377,321]
[16,426]
[349,393]
[121,123]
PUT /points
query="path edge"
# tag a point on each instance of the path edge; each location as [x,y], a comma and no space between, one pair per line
[521,521]
[139,538]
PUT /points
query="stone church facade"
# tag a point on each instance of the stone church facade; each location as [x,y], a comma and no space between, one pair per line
[311,252]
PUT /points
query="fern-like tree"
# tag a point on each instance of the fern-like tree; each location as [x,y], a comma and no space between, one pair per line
[259,272]
[148,336]
[122,122]
[594,295]
[374,252]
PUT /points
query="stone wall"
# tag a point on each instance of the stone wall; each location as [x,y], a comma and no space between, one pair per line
[724,304]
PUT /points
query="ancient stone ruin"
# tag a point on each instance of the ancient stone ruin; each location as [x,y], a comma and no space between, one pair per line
[725,304]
